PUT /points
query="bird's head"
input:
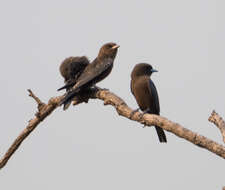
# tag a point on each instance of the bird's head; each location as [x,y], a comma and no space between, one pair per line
[142,69]
[108,50]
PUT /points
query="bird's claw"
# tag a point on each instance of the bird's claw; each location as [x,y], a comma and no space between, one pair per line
[133,112]
[141,116]
[143,113]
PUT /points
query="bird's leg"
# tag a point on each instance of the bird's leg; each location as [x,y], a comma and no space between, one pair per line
[143,113]
[133,112]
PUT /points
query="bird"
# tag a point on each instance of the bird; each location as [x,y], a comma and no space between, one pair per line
[71,68]
[145,93]
[96,71]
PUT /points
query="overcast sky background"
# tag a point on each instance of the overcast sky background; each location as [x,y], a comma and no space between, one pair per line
[89,146]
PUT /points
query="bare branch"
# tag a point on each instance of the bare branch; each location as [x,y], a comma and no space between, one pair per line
[122,109]
[152,120]
[44,111]
[39,102]
[219,122]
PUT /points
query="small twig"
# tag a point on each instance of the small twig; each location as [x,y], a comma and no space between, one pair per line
[219,122]
[39,102]
[35,97]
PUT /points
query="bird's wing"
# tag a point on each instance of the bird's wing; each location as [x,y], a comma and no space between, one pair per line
[71,82]
[89,75]
[131,87]
[153,90]
[77,68]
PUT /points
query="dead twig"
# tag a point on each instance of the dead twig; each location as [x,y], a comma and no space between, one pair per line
[219,122]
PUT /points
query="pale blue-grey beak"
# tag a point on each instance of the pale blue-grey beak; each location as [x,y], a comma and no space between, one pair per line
[153,70]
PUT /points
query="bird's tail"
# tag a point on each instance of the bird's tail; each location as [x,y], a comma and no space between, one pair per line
[161,134]
[66,101]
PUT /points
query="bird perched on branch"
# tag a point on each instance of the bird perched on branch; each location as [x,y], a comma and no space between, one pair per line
[93,72]
[145,93]
[71,68]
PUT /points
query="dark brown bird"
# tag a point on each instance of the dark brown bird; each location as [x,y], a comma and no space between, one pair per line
[94,72]
[145,93]
[71,68]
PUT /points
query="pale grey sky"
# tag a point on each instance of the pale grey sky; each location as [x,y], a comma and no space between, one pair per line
[90,146]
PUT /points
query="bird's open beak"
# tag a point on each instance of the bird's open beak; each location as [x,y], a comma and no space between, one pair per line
[153,70]
[115,47]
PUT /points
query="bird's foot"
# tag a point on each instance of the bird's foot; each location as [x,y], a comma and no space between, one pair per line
[143,113]
[133,112]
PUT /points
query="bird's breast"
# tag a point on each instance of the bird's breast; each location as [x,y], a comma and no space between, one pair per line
[142,93]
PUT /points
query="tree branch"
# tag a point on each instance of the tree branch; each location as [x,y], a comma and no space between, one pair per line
[122,109]
[43,111]
[219,122]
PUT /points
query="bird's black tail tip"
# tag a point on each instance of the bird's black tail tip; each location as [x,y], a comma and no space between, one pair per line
[161,134]
[66,101]
[162,140]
